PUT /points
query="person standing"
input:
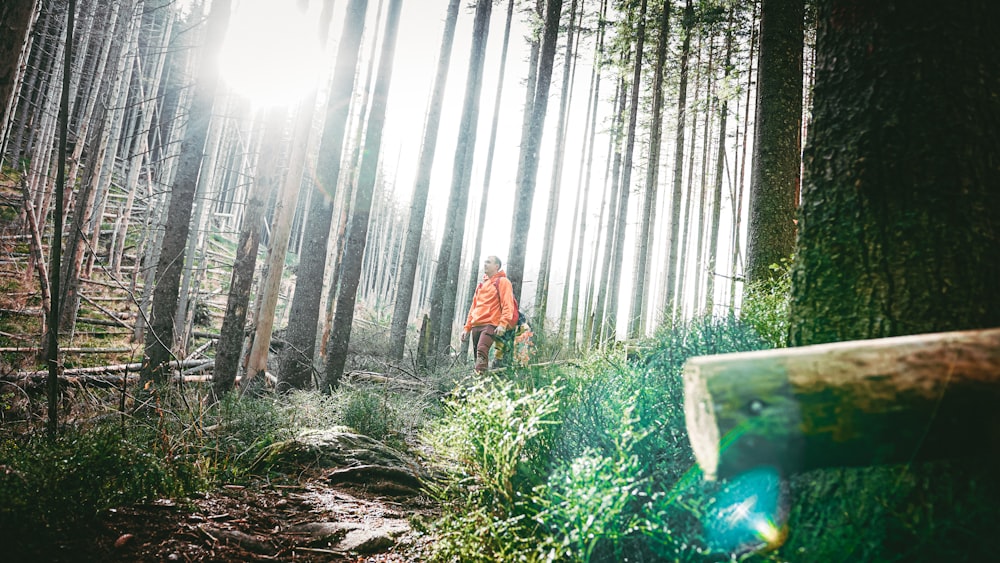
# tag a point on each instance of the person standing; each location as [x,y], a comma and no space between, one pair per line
[492,312]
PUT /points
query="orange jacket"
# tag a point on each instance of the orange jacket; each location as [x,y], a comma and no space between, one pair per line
[493,303]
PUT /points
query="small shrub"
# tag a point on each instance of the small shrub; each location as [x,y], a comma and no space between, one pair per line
[765,306]
[373,414]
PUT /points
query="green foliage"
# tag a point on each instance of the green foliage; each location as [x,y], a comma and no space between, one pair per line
[494,436]
[373,414]
[47,485]
[765,305]
[586,502]
[615,479]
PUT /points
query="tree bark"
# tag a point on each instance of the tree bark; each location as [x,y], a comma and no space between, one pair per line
[16,18]
[901,198]
[776,159]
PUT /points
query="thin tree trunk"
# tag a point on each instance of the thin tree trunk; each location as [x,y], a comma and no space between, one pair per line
[341,333]
[484,203]
[52,352]
[701,218]
[640,282]
[595,89]
[280,235]
[713,247]
[738,212]
[555,183]
[626,189]
[267,177]
[599,328]
[670,300]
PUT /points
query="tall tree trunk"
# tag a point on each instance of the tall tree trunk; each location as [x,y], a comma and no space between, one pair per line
[450,255]
[595,89]
[713,245]
[281,226]
[670,298]
[266,179]
[297,360]
[898,235]
[626,189]
[531,140]
[421,187]
[485,198]
[643,254]
[701,220]
[599,328]
[568,268]
[555,183]
[16,18]
[901,199]
[160,334]
[776,160]
[354,250]
[738,207]
[52,351]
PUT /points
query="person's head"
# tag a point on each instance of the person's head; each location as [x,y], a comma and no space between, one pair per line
[491,265]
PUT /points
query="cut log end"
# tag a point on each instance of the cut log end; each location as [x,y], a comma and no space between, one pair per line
[703,431]
[889,400]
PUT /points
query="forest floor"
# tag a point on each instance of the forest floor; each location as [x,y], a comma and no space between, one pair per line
[304,518]
[309,521]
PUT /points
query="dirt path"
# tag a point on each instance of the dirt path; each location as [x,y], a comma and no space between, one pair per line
[311,522]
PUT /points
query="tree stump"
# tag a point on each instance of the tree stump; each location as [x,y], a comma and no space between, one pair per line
[888,400]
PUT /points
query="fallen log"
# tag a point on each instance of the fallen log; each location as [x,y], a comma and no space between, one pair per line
[74,350]
[889,400]
[113,368]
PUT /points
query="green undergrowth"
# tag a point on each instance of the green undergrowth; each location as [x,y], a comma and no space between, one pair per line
[590,461]
[581,462]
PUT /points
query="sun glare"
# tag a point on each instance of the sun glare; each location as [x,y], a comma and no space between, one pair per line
[271,54]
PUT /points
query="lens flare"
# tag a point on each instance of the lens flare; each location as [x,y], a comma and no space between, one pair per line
[748,513]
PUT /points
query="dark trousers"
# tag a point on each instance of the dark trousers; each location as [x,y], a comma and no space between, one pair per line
[482,340]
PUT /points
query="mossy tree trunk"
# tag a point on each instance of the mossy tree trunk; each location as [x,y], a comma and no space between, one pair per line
[898,235]
[901,200]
